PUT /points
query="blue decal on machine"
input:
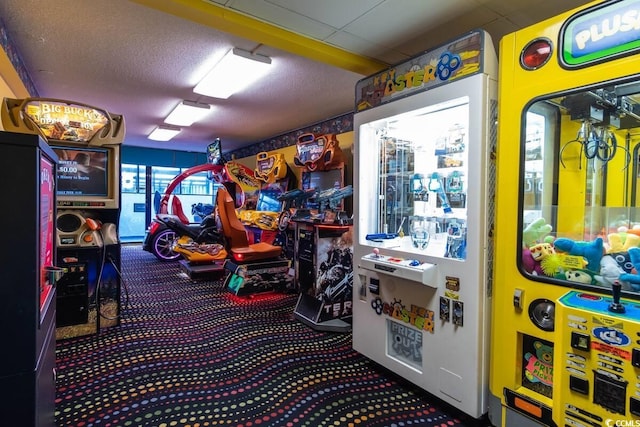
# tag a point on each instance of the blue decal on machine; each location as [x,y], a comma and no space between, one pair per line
[611,336]
[447,65]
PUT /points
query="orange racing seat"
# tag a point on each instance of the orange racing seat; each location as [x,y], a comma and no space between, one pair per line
[236,235]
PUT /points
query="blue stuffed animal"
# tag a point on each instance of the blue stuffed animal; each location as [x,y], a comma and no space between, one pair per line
[633,278]
[592,252]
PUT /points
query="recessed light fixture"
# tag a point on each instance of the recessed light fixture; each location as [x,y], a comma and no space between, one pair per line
[236,70]
[187,112]
[164,133]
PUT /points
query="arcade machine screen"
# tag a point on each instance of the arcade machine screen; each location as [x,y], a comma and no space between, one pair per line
[47,248]
[322,180]
[268,200]
[82,171]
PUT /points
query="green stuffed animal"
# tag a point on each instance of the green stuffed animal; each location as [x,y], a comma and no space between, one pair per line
[535,232]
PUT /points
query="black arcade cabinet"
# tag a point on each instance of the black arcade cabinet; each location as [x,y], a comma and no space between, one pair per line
[28,271]
[86,141]
[323,263]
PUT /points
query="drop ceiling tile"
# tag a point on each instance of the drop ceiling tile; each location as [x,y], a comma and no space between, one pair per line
[539,12]
[478,18]
[283,18]
[380,25]
[336,13]
[353,43]
[499,28]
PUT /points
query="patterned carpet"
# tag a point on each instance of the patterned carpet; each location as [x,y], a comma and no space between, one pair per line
[191,354]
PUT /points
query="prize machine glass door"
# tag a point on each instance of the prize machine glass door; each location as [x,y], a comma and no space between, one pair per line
[577,206]
[420,181]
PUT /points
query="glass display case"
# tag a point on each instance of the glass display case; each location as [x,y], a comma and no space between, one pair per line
[580,225]
[421,180]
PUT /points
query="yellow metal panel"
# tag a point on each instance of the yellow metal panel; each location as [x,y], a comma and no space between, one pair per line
[518,89]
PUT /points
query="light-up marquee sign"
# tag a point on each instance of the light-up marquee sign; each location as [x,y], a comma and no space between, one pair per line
[270,167]
[63,121]
[459,58]
[606,31]
[318,152]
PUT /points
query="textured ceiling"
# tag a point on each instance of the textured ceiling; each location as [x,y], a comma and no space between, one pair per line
[140,58]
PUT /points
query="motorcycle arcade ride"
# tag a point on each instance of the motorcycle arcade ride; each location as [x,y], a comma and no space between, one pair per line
[87,142]
[566,324]
[323,235]
[199,244]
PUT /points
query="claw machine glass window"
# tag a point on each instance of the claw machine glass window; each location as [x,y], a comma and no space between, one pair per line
[419,194]
[580,224]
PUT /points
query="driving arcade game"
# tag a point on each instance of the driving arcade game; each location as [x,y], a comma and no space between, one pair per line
[425,131]
[566,321]
[87,142]
[275,178]
[254,266]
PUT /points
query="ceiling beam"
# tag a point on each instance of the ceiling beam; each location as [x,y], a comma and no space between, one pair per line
[237,24]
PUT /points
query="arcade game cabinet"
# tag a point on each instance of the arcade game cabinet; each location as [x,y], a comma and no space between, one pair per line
[275,178]
[255,266]
[323,239]
[199,245]
[29,274]
[425,130]
[566,322]
[87,142]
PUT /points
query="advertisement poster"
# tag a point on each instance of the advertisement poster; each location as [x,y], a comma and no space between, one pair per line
[46,226]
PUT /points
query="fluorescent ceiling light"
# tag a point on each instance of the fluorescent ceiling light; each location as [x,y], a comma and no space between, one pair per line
[164,133]
[235,71]
[187,112]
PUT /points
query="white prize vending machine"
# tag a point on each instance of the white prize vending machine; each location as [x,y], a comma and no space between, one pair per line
[423,180]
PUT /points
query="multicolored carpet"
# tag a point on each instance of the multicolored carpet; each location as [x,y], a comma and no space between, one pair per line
[191,354]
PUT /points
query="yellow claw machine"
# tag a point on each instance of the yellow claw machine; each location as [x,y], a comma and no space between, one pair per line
[566,303]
